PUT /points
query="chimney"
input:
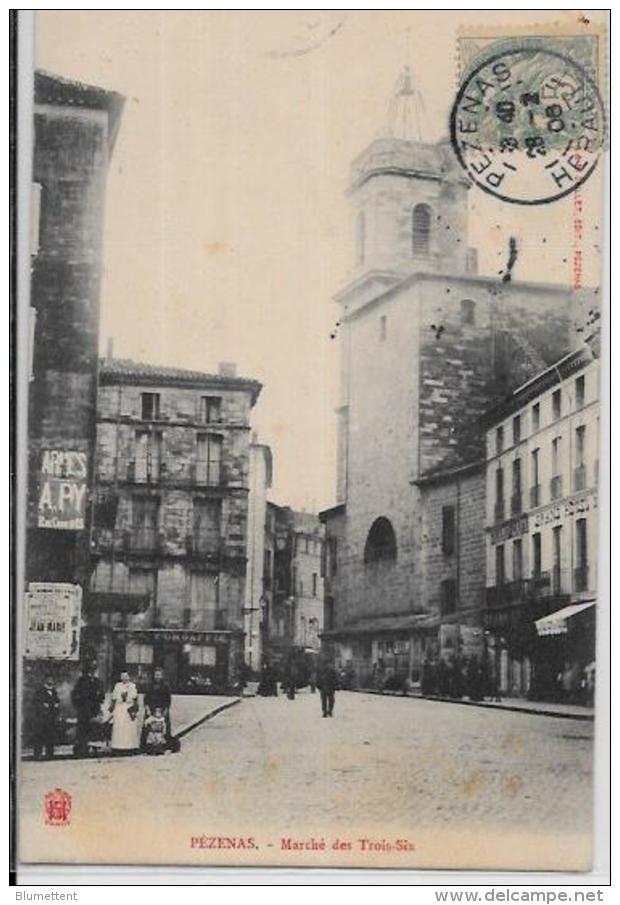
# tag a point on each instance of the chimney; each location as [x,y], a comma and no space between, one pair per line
[110,349]
[227,369]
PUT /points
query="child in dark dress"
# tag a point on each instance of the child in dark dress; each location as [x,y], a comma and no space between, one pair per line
[155,739]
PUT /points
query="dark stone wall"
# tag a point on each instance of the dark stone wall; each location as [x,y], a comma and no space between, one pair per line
[517,331]
[70,165]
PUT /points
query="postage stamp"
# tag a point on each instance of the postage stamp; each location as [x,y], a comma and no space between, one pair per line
[528,121]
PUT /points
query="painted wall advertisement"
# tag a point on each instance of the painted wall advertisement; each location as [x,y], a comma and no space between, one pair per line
[53,617]
[62,489]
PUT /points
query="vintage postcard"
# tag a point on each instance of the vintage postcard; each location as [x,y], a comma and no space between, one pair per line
[313,385]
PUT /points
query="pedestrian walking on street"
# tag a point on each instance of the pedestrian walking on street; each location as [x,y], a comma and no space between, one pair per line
[87,697]
[327,681]
[47,710]
[158,695]
[124,709]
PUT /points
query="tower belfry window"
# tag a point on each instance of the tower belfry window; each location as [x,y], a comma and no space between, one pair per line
[421,229]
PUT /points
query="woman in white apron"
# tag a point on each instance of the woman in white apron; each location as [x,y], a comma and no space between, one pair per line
[124,708]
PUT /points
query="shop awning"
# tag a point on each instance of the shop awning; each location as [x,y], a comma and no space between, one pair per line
[557,623]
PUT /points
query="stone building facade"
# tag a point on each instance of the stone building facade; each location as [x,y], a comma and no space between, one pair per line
[427,345]
[75,128]
[293,582]
[307,580]
[541,527]
[171,522]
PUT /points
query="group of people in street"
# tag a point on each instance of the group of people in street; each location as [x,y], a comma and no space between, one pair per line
[461,677]
[323,676]
[120,719]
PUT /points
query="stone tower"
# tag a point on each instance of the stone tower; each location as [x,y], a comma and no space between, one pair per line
[409,204]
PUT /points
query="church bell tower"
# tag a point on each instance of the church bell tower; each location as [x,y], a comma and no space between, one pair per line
[409,203]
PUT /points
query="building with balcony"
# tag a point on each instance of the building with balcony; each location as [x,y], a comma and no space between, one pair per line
[541,525]
[171,519]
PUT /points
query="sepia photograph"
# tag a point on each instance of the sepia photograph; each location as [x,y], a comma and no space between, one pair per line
[314,308]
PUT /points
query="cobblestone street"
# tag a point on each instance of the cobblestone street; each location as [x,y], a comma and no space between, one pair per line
[463,785]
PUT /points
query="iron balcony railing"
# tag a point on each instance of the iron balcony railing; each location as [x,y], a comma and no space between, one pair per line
[535,496]
[136,539]
[540,585]
[555,487]
[144,470]
[161,470]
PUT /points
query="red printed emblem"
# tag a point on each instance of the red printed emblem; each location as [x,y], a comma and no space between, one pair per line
[57,807]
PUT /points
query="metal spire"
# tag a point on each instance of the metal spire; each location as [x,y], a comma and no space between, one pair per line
[406,109]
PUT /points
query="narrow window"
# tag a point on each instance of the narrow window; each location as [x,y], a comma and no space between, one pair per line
[314,584]
[515,503]
[580,444]
[207,518]
[556,477]
[421,229]
[500,566]
[557,559]
[516,429]
[468,311]
[517,560]
[580,391]
[556,404]
[208,459]
[210,409]
[536,555]
[534,476]
[499,440]
[535,416]
[149,406]
[581,538]
[580,463]
[499,494]
[447,530]
[555,455]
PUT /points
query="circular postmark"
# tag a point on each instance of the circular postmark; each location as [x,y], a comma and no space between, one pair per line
[528,125]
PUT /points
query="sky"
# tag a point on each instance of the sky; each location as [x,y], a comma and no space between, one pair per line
[227,228]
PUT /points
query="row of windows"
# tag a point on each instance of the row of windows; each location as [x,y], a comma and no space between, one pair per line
[579,477]
[314,585]
[148,453]
[204,518]
[580,581]
[209,408]
[311,545]
[558,408]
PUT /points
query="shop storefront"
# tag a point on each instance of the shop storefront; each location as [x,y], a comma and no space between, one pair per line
[565,662]
[196,662]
